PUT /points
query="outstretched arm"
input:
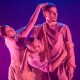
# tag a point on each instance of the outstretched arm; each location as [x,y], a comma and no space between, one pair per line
[32,21]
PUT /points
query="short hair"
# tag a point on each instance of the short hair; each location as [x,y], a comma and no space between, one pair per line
[30,40]
[46,8]
[2,30]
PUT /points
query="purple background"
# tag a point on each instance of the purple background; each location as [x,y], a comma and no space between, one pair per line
[17,13]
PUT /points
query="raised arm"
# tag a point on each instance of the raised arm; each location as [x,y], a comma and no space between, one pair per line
[32,21]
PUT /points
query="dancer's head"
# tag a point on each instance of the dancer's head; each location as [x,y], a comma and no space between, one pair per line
[7,31]
[35,45]
[50,12]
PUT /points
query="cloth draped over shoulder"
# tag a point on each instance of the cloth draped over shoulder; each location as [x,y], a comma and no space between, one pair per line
[58,39]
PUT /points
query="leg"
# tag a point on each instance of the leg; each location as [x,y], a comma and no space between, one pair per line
[27,73]
[14,73]
[11,73]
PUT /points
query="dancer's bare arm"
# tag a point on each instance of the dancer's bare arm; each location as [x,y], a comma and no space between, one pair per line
[32,21]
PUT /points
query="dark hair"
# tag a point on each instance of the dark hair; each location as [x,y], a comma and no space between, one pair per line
[30,40]
[2,30]
[46,8]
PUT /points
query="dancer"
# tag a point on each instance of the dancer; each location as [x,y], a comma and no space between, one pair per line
[32,54]
[14,41]
[56,37]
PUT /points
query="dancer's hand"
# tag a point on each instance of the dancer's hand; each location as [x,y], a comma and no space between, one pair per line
[43,5]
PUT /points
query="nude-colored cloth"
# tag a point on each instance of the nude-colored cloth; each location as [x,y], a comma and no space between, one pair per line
[27,74]
[34,61]
[58,38]
[15,53]
[16,74]
[16,48]
[39,75]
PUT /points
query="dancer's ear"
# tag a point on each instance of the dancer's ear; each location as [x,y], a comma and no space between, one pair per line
[44,13]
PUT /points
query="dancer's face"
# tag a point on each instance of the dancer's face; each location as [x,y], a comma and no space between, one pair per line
[37,45]
[51,15]
[10,32]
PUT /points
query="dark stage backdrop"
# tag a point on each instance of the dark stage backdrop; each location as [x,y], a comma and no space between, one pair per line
[17,13]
